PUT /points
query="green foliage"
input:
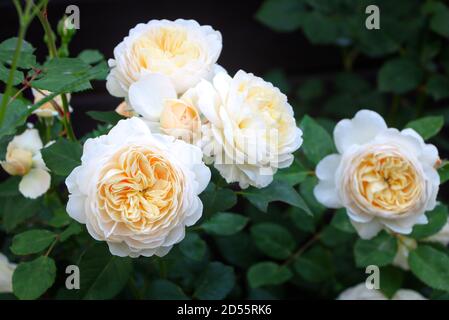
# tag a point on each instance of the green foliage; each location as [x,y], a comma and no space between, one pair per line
[33,241]
[31,279]
[215,283]
[162,289]
[193,247]
[379,251]
[62,156]
[315,265]
[273,240]
[317,141]
[430,266]
[267,273]
[437,219]
[224,224]
[399,76]
[427,127]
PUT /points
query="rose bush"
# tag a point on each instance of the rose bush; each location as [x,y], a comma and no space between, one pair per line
[202,183]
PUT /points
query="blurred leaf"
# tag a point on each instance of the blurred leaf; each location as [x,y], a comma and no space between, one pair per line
[267,273]
[162,289]
[391,279]
[62,156]
[302,220]
[73,229]
[315,265]
[319,28]
[193,246]
[33,241]
[281,15]
[10,187]
[438,86]
[225,223]
[238,249]
[31,279]
[216,199]
[437,219]
[379,251]
[317,142]
[110,117]
[276,191]
[18,209]
[341,221]
[215,282]
[430,266]
[26,58]
[4,75]
[273,240]
[427,127]
[399,76]
[438,22]
[16,114]
[443,171]
[310,89]
[103,275]
[333,237]
[292,175]
[91,56]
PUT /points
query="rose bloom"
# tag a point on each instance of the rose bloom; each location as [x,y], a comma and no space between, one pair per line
[181,50]
[137,190]
[23,158]
[6,272]
[385,178]
[47,110]
[249,131]
[361,292]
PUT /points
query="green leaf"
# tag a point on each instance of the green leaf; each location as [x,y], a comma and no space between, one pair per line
[279,79]
[438,86]
[292,175]
[217,199]
[430,266]
[225,223]
[302,220]
[341,221]
[310,90]
[216,282]
[162,289]
[16,114]
[399,76]
[62,156]
[391,279]
[59,72]
[10,187]
[443,171]
[317,141]
[315,265]
[31,279]
[267,274]
[427,127]
[379,251]
[193,246]
[281,15]
[319,28]
[276,191]
[437,219]
[73,229]
[18,209]
[26,58]
[91,56]
[4,75]
[32,241]
[103,275]
[273,240]
[110,117]
[438,22]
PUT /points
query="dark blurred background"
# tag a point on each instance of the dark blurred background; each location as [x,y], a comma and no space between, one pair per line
[247,44]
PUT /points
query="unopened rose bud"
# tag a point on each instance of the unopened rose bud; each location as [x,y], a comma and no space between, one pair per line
[125,110]
[180,120]
[18,162]
[48,109]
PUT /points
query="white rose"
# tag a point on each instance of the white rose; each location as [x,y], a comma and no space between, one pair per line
[181,50]
[385,178]
[23,158]
[137,190]
[6,272]
[250,130]
[361,292]
[48,109]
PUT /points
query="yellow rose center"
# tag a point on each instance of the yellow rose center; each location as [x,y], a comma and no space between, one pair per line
[388,182]
[162,44]
[138,189]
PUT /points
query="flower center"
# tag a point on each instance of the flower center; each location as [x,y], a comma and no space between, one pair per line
[387,181]
[138,188]
[162,44]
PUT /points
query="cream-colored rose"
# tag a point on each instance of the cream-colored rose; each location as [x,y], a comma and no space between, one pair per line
[48,109]
[181,50]
[249,131]
[125,110]
[23,158]
[6,272]
[181,120]
[385,178]
[361,292]
[137,190]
